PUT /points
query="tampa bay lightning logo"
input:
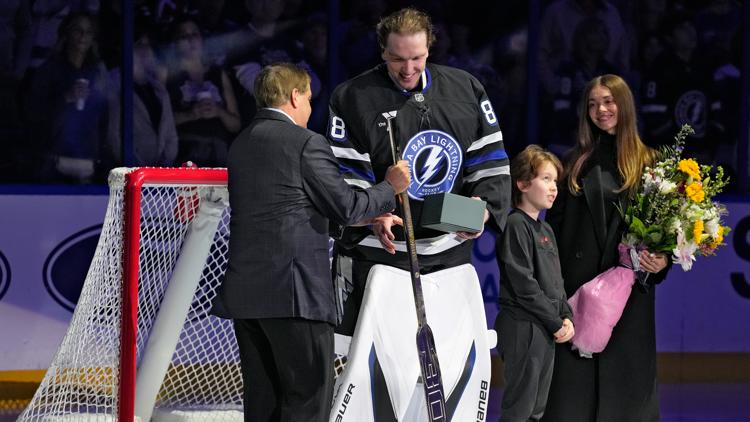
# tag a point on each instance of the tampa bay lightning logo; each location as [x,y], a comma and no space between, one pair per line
[435,159]
[691,108]
[65,268]
[4,275]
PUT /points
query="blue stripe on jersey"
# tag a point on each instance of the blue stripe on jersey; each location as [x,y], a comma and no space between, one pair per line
[428,77]
[494,155]
[365,175]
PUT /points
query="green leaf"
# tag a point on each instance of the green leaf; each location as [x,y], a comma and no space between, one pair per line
[655,237]
[637,227]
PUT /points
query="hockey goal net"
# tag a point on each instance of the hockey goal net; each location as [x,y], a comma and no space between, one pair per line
[141,342]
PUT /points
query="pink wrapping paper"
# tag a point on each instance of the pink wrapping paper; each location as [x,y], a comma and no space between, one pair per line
[598,304]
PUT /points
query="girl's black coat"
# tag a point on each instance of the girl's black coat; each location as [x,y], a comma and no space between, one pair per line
[618,384]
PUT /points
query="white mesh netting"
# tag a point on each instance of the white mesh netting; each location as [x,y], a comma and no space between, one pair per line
[203,374]
[202,380]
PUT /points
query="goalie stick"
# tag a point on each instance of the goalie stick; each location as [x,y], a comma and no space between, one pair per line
[428,358]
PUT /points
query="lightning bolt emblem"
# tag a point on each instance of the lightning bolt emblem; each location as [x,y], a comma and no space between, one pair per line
[431,165]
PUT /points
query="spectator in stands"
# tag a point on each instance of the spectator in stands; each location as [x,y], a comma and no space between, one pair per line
[440,52]
[650,48]
[510,62]
[15,48]
[215,17]
[265,40]
[47,16]
[359,48]
[15,38]
[155,139]
[677,91]
[315,54]
[715,24]
[644,18]
[217,20]
[203,100]
[558,24]
[725,122]
[590,43]
[69,108]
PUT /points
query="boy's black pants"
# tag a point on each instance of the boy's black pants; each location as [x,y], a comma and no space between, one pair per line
[528,351]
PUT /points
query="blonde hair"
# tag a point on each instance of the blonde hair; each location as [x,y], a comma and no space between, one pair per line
[525,167]
[275,83]
[407,21]
[632,154]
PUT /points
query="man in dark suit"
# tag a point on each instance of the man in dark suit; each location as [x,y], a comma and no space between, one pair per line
[284,186]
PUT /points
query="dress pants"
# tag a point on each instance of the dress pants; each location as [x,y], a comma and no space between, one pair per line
[287,369]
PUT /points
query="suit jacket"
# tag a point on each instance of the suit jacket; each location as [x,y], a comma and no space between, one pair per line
[284,185]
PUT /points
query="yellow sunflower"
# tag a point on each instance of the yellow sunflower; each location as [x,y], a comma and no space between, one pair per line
[694,191]
[690,167]
[697,231]
[718,239]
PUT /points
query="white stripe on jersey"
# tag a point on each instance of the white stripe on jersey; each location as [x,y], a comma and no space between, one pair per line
[429,246]
[489,139]
[481,174]
[350,153]
[364,184]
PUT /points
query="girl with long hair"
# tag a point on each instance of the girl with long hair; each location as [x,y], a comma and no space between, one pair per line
[602,173]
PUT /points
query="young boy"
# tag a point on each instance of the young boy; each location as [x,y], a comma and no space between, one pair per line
[534,310]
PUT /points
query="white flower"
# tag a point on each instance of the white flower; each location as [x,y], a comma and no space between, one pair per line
[650,183]
[694,212]
[711,213]
[667,186]
[684,253]
[712,227]
[676,227]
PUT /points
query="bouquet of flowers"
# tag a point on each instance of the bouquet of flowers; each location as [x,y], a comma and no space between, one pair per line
[673,212]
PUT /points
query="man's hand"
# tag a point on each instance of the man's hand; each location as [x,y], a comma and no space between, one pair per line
[381,226]
[471,235]
[398,176]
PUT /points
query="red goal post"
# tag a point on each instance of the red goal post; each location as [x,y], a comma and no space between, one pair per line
[150,239]
[185,179]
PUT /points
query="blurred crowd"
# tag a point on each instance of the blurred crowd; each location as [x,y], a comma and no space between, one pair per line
[194,63]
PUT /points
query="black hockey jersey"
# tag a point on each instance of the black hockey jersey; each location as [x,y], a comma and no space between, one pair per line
[449,134]
[676,92]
